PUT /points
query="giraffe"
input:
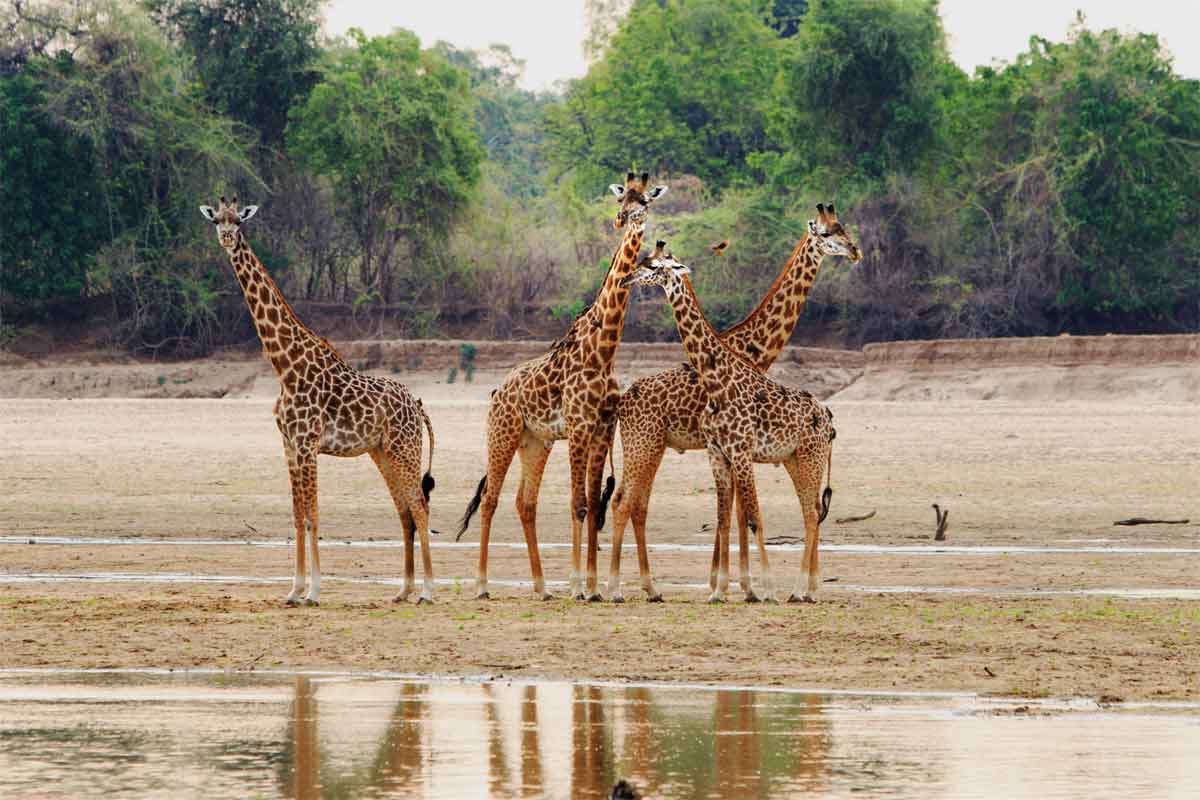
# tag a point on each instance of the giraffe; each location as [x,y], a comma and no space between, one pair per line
[748,419]
[325,406]
[663,410]
[567,393]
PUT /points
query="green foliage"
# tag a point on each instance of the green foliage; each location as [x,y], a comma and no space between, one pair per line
[1090,149]
[680,89]
[254,58]
[859,87]
[53,218]
[391,125]
[508,119]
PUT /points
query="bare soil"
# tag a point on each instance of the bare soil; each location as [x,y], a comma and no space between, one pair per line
[1012,474]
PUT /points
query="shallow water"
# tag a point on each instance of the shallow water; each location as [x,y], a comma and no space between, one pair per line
[1165,593]
[140,734]
[859,549]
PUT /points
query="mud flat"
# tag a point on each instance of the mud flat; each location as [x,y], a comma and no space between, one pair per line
[1033,489]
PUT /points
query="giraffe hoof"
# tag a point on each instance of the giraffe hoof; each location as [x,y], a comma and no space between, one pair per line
[308,601]
[483,596]
[617,599]
[716,600]
[291,602]
[595,598]
[804,599]
[751,597]
[654,598]
[547,596]
[423,600]
[400,598]
[579,596]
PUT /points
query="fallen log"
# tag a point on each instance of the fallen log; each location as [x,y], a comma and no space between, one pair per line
[1146,521]
[844,520]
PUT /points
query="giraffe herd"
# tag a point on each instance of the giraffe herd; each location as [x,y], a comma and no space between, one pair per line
[721,401]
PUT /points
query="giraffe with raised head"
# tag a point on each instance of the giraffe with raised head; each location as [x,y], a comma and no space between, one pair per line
[567,393]
[663,410]
[748,418]
[325,406]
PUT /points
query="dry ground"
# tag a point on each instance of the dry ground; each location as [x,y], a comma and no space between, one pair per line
[1013,475]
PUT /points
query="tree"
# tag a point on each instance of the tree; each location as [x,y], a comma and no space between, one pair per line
[124,103]
[51,210]
[1090,150]
[859,87]
[254,58]
[508,119]
[681,87]
[392,126]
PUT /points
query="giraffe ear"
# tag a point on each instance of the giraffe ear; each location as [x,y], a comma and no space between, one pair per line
[209,213]
[247,212]
[682,269]
[657,192]
[617,189]
[812,227]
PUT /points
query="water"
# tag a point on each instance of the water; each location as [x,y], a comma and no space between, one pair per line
[1166,593]
[140,734]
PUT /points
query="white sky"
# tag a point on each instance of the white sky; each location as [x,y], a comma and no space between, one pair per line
[548,34]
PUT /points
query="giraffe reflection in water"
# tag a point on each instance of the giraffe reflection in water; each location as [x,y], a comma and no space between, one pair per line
[558,741]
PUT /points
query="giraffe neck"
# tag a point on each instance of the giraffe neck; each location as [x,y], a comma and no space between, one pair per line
[706,352]
[608,311]
[279,329]
[762,335]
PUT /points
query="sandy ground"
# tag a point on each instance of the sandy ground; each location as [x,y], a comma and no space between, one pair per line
[1044,475]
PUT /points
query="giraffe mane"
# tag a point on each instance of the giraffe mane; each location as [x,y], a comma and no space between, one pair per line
[775,286]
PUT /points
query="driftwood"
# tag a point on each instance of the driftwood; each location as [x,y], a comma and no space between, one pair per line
[844,520]
[940,534]
[1145,521]
[774,540]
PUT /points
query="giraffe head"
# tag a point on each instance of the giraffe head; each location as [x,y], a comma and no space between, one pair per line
[228,220]
[634,196]
[831,238]
[659,268]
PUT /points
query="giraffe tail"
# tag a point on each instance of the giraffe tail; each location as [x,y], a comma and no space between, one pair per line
[427,482]
[609,486]
[827,495]
[472,507]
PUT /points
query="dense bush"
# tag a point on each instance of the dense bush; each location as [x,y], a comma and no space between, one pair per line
[419,185]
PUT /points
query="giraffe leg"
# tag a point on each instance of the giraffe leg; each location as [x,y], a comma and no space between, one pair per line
[534,453]
[643,448]
[744,550]
[505,427]
[420,516]
[300,505]
[601,443]
[307,463]
[407,524]
[806,474]
[578,440]
[747,495]
[722,480]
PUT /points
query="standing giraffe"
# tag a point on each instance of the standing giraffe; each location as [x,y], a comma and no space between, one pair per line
[326,406]
[748,419]
[663,410]
[567,393]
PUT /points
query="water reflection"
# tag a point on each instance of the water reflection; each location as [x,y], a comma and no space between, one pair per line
[564,741]
[322,738]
